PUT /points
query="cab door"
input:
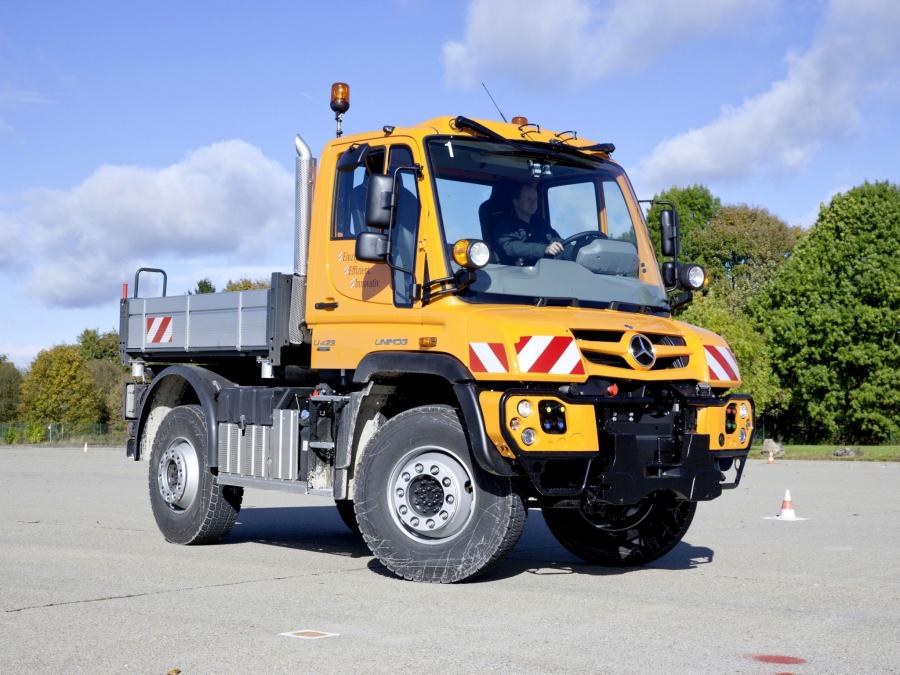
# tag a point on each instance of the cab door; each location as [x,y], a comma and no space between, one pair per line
[366,306]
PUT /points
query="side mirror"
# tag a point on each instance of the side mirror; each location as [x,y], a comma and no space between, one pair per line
[668,224]
[378,201]
[371,247]
[669,274]
[352,158]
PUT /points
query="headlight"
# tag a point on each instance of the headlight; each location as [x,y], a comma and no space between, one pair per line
[471,253]
[743,411]
[524,408]
[742,437]
[528,436]
[693,277]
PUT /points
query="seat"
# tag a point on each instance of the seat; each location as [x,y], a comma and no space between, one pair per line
[492,211]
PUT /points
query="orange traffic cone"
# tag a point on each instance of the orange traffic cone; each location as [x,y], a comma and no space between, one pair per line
[787,509]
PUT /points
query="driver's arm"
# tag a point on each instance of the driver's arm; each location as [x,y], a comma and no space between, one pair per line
[512,243]
[554,247]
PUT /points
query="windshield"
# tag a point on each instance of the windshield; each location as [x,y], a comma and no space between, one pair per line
[558,224]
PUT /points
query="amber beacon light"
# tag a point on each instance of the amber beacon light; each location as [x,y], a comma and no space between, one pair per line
[340,103]
[340,97]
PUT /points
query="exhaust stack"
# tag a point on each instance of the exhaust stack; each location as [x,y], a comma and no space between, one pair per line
[306,180]
[305,185]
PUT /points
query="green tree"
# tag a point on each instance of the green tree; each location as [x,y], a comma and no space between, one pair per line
[203,286]
[58,389]
[832,319]
[246,284]
[696,208]
[744,246]
[93,345]
[10,384]
[109,379]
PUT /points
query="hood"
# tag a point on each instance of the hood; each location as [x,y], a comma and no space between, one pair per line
[572,344]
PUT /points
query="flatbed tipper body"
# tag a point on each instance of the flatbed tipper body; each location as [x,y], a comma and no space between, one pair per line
[422,368]
[233,323]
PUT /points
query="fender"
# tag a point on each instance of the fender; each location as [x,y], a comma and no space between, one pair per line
[206,385]
[453,371]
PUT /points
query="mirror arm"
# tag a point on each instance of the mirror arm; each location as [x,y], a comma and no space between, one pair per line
[461,279]
[681,300]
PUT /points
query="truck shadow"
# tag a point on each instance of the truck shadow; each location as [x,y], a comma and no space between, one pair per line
[320,529]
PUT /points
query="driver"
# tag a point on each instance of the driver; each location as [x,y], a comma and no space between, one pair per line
[523,237]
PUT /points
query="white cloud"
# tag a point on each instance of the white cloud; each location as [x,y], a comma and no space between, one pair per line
[855,51]
[537,42]
[226,200]
[11,243]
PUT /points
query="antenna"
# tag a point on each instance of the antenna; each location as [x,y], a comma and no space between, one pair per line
[493,101]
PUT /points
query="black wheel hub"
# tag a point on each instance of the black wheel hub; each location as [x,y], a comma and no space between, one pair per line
[426,495]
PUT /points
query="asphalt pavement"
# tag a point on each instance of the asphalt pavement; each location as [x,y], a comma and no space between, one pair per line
[87,584]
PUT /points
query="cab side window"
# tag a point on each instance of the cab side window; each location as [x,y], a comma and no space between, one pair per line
[618,220]
[406,227]
[350,196]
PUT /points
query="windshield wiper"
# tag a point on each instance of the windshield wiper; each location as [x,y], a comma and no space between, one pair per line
[461,123]
[583,151]
[555,147]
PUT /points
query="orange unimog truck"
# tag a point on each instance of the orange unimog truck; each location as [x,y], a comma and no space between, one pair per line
[434,381]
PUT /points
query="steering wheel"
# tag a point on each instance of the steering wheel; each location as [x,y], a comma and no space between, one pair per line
[572,245]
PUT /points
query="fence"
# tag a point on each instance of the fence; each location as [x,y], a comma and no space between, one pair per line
[12,433]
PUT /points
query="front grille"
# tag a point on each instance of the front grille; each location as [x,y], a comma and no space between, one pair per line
[670,340]
[671,362]
[599,335]
[605,359]
[609,338]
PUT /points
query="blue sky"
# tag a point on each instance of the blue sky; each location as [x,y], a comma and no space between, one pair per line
[162,134]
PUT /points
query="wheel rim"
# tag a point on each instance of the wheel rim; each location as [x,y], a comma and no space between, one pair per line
[431,495]
[613,518]
[178,474]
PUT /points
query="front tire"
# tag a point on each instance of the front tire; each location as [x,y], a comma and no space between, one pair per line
[189,505]
[347,512]
[425,509]
[623,536]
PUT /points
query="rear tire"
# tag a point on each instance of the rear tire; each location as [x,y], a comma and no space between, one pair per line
[425,509]
[623,536]
[189,505]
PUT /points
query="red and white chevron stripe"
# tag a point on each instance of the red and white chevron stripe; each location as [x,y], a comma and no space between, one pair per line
[488,357]
[722,364]
[159,329]
[556,355]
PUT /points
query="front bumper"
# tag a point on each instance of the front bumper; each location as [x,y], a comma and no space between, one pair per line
[618,450]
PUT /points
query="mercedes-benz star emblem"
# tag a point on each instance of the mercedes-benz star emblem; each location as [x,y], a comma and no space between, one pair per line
[642,351]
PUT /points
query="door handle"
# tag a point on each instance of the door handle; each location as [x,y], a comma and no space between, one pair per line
[326,305]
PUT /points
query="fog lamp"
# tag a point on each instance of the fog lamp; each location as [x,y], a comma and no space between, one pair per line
[524,408]
[528,437]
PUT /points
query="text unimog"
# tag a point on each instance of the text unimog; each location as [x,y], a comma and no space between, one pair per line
[434,393]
